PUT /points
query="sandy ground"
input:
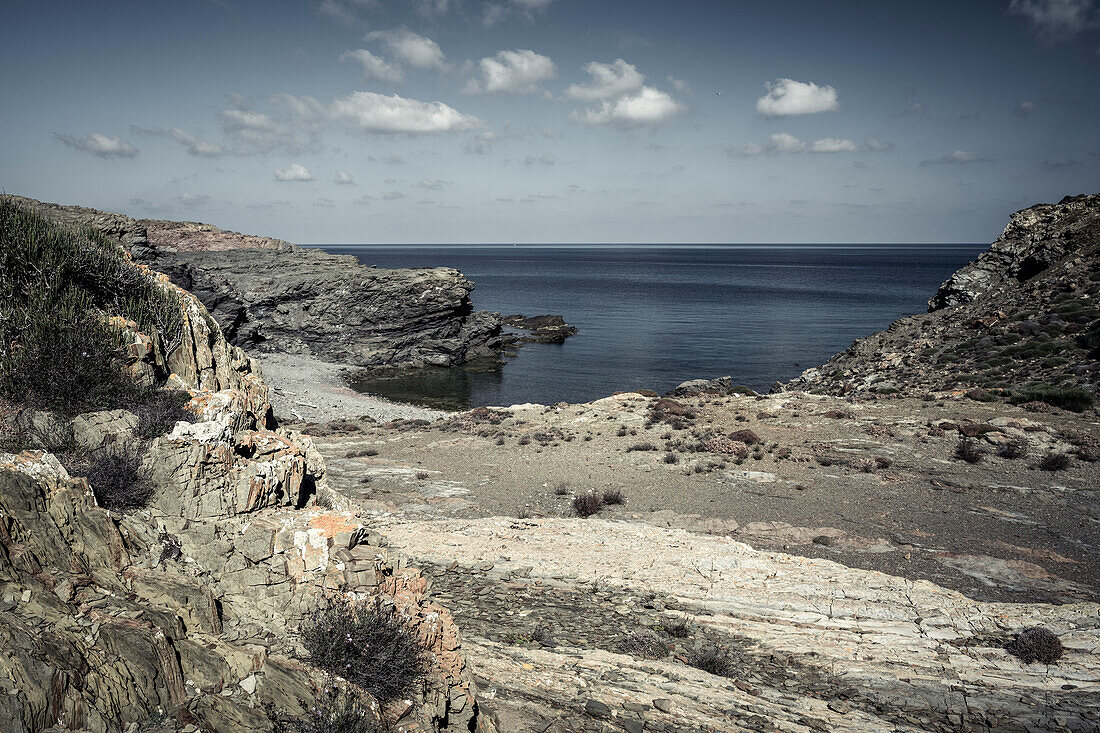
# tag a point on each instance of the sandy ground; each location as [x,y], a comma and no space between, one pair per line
[306,388]
[999,529]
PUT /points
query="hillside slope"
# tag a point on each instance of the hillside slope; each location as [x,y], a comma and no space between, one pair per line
[1023,317]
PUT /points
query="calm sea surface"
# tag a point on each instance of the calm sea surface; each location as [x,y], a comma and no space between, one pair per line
[654,316]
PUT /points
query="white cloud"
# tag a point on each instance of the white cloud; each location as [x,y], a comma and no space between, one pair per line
[194,199]
[833,145]
[343,179]
[957,157]
[345,11]
[648,106]
[512,72]
[780,142]
[1023,109]
[1056,19]
[377,113]
[878,146]
[679,84]
[790,97]
[196,146]
[432,184]
[392,195]
[99,145]
[375,67]
[608,80]
[415,50]
[295,172]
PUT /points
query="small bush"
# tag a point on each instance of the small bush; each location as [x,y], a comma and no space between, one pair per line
[585,505]
[368,646]
[159,412]
[334,711]
[1014,448]
[562,489]
[678,629]
[613,496]
[969,451]
[422,475]
[642,447]
[1035,644]
[713,660]
[644,644]
[117,480]
[1054,462]
[671,458]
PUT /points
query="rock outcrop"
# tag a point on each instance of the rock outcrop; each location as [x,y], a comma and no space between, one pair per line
[268,295]
[1035,240]
[183,614]
[1027,311]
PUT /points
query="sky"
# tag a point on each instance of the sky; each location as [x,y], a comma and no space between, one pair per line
[556,121]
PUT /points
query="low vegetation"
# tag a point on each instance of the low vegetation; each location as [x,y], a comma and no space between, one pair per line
[58,286]
[1036,644]
[1073,399]
[714,660]
[335,710]
[587,504]
[369,646]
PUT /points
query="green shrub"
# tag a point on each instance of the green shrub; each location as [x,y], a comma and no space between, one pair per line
[368,646]
[1073,399]
[1090,339]
[57,285]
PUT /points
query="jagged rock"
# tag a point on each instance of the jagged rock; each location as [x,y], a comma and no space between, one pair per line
[543,329]
[721,385]
[1034,240]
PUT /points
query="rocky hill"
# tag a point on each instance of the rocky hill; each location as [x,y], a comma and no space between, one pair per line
[158,560]
[1021,322]
[268,295]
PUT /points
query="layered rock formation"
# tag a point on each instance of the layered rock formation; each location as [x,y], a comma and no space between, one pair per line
[183,615]
[1026,311]
[268,295]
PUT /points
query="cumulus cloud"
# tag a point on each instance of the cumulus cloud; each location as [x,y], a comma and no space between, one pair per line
[1023,109]
[648,106]
[512,72]
[833,145]
[608,80]
[343,179]
[878,146]
[295,172]
[375,67]
[194,146]
[371,112]
[1056,19]
[960,157]
[790,97]
[415,50]
[781,142]
[99,145]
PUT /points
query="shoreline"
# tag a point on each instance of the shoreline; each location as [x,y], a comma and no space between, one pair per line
[305,388]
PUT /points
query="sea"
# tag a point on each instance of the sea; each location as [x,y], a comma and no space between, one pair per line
[653,316]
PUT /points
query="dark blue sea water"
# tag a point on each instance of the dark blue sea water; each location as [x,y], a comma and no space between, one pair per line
[654,316]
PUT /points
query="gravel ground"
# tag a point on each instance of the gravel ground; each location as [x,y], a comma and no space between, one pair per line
[306,388]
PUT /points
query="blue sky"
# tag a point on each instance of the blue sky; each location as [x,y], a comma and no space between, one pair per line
[464,121]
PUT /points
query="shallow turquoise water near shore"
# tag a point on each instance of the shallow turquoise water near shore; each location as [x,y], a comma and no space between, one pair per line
[652,316]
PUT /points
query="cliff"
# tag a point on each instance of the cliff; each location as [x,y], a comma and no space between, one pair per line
[268,295]
[1023,317]
[156,570]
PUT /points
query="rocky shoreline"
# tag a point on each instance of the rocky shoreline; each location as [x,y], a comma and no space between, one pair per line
[853,552]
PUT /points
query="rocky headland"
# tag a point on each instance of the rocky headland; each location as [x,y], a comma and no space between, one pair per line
[868,548]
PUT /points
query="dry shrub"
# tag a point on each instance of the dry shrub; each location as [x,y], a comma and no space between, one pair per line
[1036,644]
[367,645]
[745,436]
[1055,461]
[585,505]
[644,644]
[613,496]
[969,451]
